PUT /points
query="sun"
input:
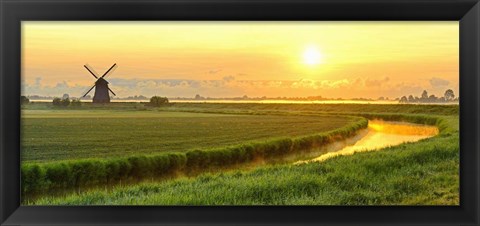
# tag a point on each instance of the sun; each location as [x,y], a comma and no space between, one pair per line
[312,56]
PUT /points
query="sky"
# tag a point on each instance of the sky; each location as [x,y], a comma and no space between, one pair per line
[232,59]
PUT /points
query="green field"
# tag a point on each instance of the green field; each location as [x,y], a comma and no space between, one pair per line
[51,135]
[421,173]
[315,108]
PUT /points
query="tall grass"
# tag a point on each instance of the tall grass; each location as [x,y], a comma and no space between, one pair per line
[420,173]
[44,178]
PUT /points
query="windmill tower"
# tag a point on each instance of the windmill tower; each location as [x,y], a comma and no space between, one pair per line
[101,85]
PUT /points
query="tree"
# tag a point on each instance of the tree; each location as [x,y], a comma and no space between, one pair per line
[24,100]
[424,95]
[449,95]
[65,96]
[432,98]
[76,103]
[66,102]
[158,101]
[57,101]
[403,99]
[411,98]
[61,103]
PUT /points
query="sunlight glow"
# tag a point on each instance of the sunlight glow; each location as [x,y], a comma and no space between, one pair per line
[236,58]
[312,56]
[380,134]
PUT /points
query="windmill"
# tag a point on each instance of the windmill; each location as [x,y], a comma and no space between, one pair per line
[101,85]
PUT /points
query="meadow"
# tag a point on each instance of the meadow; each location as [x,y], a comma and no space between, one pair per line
[424,172]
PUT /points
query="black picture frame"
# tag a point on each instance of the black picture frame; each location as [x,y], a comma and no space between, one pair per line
[12,12]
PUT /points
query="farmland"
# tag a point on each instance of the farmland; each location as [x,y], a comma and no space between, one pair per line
[424,172]
[65,135]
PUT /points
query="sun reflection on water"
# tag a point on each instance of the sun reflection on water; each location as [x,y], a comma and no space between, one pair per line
[382,134]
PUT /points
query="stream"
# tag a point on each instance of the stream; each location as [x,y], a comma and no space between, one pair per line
[378,135]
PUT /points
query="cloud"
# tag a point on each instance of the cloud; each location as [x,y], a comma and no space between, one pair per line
[305,83]
[214,71]
[38,81]
[57,90]
[230,86]
[334,84]
[438,82]
[228,78]
[375,82]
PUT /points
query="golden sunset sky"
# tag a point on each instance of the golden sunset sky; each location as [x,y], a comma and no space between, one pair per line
[228,59]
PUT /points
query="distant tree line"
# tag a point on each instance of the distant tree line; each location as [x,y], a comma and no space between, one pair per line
[65,101]
[157,101]
[448,96]
[140,97]
[24,100]
[246,97]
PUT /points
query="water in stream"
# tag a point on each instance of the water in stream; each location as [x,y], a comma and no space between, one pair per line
[379,134]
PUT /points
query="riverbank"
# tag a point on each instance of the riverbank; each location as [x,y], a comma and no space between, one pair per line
[424,173]
[398,175]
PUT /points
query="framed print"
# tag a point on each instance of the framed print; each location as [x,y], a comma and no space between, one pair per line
[239,112]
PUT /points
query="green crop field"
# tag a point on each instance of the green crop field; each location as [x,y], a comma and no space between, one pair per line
[50,135]
[420,173]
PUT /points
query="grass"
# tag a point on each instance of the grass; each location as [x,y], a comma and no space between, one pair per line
[50,177]
[52,135]
[325,108]
[423,173]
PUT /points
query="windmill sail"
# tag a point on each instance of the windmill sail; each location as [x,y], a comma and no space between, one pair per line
[112,92]
[110,70]
[90,69]
[88,91]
